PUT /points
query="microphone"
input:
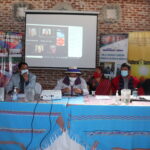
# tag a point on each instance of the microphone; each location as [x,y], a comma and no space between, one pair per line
[51,96]
[72,80]
[71,90]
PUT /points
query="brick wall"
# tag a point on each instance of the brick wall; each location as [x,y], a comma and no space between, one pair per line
[134,16]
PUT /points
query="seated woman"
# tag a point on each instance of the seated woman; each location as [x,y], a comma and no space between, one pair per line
[94,80]
[99,84]
[104,86]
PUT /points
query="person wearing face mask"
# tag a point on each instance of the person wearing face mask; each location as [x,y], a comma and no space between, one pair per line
[99,83]
[93,81]
[104,85]
[21,80]
[125,80]
[72,84]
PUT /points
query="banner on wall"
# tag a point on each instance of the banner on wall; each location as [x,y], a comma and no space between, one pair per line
[139,46]
[113,52]
[139,54]
[10,54]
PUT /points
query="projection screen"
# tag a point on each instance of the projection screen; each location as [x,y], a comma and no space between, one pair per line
[55,39]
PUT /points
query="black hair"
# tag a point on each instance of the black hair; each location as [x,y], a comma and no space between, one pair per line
[21,63]
[101,68]
[126,65]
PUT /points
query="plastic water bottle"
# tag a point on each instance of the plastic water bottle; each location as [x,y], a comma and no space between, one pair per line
[135,93]
[29,94]
[15,95]
[117,97]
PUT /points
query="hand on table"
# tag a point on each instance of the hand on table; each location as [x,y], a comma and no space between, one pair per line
[65,90]
[77,91]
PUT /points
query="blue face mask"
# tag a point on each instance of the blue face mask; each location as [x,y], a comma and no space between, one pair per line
[124,73]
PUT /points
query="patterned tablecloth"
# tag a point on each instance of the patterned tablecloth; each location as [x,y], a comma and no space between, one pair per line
[75,123]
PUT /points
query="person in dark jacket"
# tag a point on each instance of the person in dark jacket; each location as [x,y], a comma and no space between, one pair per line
[125,80]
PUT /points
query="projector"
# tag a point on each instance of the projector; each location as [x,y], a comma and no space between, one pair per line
[51,94]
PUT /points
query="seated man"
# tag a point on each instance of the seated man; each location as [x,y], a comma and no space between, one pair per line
[125,80]
[72,83]
[21,80]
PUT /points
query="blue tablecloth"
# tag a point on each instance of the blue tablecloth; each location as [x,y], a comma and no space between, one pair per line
[35,126]
[111,127]
[28,125]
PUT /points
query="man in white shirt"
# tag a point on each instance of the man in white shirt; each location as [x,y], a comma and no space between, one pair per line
[72,84]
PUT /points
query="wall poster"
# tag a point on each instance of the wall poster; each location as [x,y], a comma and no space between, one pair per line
[139,54]
[11,51]
[113,52]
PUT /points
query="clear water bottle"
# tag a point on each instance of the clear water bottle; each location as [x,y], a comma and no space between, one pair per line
[29,94]
[15,95]
[117,97]
[135,93]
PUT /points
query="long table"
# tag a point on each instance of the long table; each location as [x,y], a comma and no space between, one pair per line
[74,123]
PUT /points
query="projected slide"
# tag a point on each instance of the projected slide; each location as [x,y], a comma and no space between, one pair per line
[60,40]
[49,41]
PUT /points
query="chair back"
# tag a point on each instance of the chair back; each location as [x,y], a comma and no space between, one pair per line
[38,88]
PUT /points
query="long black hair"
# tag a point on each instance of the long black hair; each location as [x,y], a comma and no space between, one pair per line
[102,71]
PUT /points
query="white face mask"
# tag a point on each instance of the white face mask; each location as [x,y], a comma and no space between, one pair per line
[72,79]
[24,71]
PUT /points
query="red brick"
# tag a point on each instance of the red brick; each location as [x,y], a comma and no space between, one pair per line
[134,17]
